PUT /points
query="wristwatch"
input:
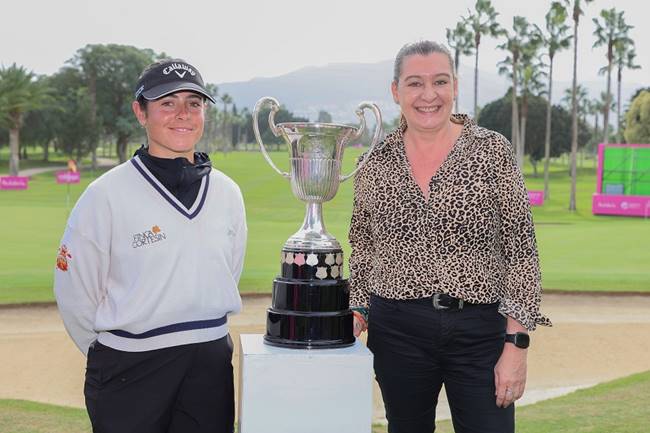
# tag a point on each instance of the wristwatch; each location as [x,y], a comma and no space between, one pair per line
[519,339]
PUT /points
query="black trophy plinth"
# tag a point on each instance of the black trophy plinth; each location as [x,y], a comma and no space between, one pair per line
[311,302]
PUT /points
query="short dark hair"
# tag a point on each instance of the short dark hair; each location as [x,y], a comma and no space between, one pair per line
[142,103]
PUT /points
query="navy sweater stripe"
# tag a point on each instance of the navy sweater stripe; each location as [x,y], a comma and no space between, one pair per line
[176,327]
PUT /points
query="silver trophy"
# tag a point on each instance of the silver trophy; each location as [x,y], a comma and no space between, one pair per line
[310,307]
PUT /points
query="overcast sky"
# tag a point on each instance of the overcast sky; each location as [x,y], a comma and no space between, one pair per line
[239,40]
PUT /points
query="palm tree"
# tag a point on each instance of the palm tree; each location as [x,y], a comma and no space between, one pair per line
[594,108]
[603,104]
[21,93]
[577,11]
[482,22]
[509,67]
[582,111]
[514,44]
[582,99]
[624,55]
[235,129]
[556,39]
[225,99]
[244,114]
[532,74]
[460,39]
[91,60]
[611,30]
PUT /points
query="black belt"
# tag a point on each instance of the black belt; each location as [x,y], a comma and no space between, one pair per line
[440,301]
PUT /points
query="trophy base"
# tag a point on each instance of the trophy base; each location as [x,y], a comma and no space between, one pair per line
[292,344]
[299,330]
[310,296]
[310,308]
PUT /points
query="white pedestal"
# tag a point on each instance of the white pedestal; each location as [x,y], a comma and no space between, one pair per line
[304,391]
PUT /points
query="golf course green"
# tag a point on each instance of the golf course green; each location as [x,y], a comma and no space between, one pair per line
[579,251]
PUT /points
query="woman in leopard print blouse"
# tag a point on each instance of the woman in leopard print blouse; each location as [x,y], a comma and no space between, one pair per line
[444,257]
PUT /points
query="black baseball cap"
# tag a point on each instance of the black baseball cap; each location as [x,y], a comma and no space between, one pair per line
[170,76]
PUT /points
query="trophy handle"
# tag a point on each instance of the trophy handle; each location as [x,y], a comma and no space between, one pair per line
[275,106]
[375,139]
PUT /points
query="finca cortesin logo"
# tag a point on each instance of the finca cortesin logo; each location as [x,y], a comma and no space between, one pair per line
[148,237]
[63,258]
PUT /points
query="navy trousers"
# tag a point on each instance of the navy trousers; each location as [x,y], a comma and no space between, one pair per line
[182,389]
[417,349]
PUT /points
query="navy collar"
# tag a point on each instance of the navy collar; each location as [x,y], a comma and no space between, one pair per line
[191,212]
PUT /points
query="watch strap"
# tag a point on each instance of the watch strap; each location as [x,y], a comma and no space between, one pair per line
[519,339]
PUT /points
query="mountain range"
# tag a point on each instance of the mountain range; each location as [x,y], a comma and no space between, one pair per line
[338,88]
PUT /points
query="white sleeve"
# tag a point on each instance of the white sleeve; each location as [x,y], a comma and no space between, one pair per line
[241,234]
[81,272]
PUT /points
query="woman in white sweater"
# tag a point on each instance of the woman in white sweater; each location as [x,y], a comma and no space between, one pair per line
[148,269]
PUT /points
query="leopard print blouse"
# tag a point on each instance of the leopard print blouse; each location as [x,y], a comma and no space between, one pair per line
[473,239]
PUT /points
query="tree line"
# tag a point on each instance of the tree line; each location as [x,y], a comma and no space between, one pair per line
[88,103]
[530,53]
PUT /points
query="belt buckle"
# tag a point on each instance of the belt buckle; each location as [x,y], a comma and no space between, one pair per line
[436,302]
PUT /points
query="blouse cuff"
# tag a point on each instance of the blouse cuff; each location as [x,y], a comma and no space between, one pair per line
[528,319]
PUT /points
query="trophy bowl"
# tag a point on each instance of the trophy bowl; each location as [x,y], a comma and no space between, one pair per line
[316,152]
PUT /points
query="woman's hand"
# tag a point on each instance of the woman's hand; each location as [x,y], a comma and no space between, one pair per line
[510,370]
[510,375]
[359,324]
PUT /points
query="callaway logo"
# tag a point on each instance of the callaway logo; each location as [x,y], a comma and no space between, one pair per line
[175,68]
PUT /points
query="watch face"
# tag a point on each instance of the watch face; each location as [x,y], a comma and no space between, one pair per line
[522,340]
[519,339]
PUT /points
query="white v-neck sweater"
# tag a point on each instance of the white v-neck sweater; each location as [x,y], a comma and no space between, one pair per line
[138,271]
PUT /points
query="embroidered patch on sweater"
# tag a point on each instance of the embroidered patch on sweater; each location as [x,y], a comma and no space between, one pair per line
[148,237]
[62,258]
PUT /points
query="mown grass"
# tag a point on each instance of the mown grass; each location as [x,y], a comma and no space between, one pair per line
[620,406]
[579,251]
[19,416]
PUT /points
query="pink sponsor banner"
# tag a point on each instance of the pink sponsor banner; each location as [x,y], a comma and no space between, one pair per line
[14,182]
[626,205]
[536,198]
[67,177]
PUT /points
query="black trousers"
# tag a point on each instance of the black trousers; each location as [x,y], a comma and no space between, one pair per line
[417,349]
[182,389]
